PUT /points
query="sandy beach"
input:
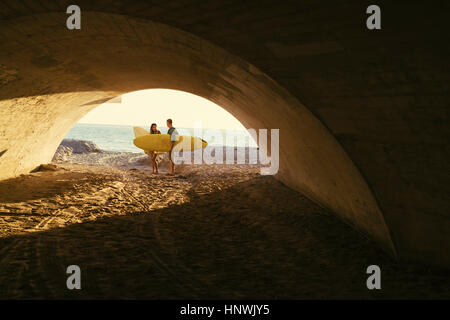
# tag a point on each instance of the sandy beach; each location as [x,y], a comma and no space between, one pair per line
[210,231]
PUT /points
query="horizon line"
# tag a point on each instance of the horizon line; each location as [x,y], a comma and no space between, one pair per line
[141,125]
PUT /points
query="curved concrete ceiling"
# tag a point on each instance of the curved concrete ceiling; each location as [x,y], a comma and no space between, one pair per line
[370,111]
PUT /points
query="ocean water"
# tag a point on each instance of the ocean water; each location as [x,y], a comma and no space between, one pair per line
[120,138]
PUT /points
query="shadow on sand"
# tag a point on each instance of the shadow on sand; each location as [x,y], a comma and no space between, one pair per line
[23,188]
[210,248]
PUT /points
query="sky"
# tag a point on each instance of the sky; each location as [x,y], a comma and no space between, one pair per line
[141,108]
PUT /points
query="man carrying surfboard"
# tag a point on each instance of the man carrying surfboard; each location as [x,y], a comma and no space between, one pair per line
[173,138]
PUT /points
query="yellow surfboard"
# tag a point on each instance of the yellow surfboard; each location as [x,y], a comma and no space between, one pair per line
[161,142]
[138,131]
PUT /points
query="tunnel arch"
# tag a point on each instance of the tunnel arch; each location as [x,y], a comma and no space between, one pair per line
[55,77]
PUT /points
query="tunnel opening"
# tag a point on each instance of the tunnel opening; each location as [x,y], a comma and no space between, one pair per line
[113,125]
[144,107]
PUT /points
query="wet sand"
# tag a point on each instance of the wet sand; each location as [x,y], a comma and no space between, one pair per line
[210,231]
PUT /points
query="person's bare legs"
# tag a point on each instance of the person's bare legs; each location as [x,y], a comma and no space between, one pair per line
[172,167]
[154,163]
[150,154]
[172,164]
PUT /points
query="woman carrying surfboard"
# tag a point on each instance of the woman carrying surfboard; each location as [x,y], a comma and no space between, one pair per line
[152,154]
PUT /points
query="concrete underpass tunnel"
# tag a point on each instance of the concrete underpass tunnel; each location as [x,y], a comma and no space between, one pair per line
[52,77]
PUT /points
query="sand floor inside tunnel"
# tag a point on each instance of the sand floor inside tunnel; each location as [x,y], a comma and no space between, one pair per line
[221,231]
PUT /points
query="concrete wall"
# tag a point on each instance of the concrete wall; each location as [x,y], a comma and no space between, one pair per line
[370,108]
